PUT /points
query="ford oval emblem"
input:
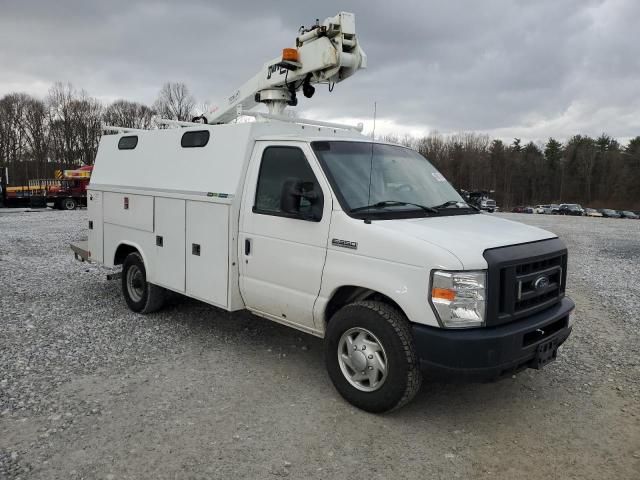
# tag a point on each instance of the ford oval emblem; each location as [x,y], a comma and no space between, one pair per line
[541,282]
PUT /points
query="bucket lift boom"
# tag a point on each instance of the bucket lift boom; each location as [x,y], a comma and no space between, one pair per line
[327,52]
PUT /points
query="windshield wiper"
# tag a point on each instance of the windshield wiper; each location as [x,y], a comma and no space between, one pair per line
[450,203]
[391,203]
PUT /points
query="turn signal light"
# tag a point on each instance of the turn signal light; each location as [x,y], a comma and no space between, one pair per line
[289,55]
[443,294]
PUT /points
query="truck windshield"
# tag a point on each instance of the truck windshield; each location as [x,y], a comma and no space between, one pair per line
[386,181]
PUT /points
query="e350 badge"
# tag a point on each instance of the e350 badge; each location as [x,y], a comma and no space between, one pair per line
[336,242]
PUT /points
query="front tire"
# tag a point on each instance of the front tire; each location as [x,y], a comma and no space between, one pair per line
[140,295]
[370,356]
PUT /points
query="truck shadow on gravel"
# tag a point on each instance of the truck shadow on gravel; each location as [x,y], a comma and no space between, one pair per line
[303,357]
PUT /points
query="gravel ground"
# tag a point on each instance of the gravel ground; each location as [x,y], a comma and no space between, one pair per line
[90,390]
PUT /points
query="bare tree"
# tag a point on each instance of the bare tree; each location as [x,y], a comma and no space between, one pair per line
[123,113]
[391,138]
[13,139]
[60,105]
[87,125]
[174,102]
[75,123]
[36,128]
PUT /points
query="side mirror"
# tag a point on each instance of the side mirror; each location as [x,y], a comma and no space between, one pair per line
[301,199]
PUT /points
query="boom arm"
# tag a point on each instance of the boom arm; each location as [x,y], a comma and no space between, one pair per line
[325,53]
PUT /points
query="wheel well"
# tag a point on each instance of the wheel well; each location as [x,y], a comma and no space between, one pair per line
[121,253]
[349,294]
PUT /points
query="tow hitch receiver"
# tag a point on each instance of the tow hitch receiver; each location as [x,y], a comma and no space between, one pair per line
[546,353]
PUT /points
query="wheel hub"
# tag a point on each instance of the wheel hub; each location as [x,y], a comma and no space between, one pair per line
[362,359]
[359,360]
[135,283]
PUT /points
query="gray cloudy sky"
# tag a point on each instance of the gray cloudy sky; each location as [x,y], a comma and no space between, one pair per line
[530,69]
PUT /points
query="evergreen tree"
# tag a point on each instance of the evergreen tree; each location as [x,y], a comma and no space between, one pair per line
[554,169]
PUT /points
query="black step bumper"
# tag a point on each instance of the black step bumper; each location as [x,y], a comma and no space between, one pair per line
[489,353]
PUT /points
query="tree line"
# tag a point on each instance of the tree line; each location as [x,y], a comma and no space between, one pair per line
[62,131]
[38,136]
[595,172]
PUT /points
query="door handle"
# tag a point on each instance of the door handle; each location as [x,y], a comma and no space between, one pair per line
[247,246]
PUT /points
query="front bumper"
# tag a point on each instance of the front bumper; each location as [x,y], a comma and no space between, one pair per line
[488,353]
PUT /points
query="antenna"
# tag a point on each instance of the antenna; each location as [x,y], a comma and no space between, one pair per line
[373,132]
[375,109]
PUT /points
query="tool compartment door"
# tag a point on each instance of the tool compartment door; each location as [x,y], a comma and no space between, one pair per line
[96,239]
[127,210]
[207,252]
[169,241]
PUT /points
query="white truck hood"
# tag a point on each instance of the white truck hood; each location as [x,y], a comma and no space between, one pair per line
[468,236]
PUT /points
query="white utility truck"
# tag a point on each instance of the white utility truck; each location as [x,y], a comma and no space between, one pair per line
[318,227]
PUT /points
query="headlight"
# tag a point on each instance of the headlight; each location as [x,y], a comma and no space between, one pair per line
[459,298]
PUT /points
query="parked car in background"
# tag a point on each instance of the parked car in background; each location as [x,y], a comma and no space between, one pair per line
[488,205]
[546,209]
[571,209]
[628,214]
[592,212]
[522,209]
[481,199]
[608,213]
[554,208]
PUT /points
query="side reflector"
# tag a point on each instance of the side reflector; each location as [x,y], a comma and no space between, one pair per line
[443,294]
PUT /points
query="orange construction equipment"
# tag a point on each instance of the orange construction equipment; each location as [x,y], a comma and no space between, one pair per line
[67,190]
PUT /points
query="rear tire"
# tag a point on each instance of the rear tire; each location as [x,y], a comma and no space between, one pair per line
[69,204]
[386,332]
[140,295]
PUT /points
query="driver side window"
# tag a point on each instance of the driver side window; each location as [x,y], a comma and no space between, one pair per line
[285,168]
